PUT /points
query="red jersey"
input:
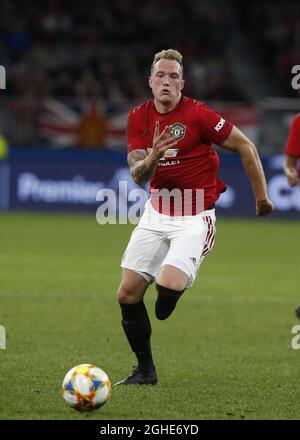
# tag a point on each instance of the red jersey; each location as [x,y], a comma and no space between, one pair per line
[194,163]
[292,147]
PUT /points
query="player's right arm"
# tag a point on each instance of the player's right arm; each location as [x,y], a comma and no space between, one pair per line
[143,165]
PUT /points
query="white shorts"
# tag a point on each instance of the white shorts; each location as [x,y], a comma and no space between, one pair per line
[159,239]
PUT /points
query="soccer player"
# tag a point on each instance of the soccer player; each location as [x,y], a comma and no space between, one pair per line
[170,144]
[292,152]
[292,155]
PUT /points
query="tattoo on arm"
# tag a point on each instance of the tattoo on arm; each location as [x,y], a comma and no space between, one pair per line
[141,166]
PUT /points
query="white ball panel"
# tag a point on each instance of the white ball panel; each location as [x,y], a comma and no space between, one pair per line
[70,398]
[82,384]
[101,396]
[68,376]
[99,374]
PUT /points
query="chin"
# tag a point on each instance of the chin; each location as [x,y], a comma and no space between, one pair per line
[165,99]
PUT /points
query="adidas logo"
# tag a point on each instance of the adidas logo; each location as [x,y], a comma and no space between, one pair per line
[194,260]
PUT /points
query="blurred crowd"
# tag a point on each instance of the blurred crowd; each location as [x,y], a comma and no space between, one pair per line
[104,48]
[274,26]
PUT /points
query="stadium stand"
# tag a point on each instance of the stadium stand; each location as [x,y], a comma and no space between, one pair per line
[62,57]
[104,49]
[273,27]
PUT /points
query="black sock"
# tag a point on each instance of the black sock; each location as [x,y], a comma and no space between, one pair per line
[166,301]
[137,327]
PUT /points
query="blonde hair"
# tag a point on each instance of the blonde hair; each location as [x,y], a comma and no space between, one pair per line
[168,54]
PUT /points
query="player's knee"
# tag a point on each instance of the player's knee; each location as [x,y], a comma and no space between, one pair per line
[173,285]
[127,295]
[166,301]
[123,294]
[168,292]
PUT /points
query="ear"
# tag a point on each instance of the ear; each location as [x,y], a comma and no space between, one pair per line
[150,81]
[182,83]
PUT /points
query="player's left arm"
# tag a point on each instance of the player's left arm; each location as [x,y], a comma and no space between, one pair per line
[292,152]
[290,169]
[237,142]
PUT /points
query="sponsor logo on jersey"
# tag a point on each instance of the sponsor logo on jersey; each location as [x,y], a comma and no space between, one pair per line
[171,152]
[177,131]
[166,163]
[220,124]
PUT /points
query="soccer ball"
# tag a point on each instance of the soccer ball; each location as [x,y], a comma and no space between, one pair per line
[86,387]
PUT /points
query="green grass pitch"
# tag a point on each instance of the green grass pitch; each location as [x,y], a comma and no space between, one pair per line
[224,354]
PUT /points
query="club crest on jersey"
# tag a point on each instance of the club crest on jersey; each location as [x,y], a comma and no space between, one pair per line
[177,131]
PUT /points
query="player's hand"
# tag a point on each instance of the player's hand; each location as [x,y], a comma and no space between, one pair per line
[292,176]
[264,207]
[162,141]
